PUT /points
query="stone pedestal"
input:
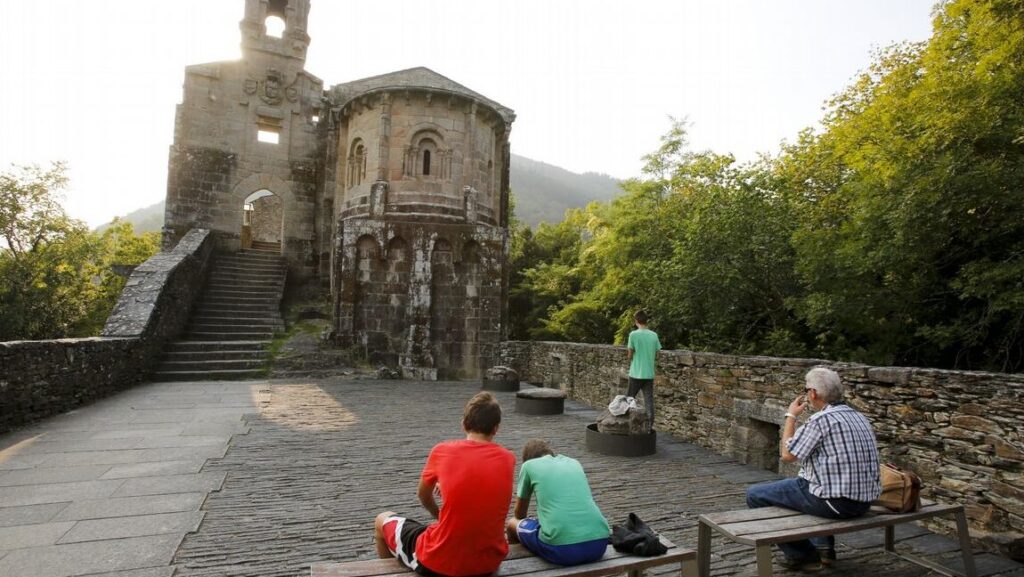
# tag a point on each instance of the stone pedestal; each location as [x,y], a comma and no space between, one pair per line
[540,402]
[501,379]
[636,445]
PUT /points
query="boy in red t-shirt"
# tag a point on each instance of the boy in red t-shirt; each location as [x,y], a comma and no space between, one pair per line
[474,477]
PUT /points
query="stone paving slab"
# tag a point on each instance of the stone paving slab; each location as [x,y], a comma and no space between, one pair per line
[151,572]
[95,458]
[30,514]
[140,526]
[85,445]
[39,476]
[19,462]
[91,557]
[57,492]
[32,535]
[131,506]
[178,442]
[154,469]
[199,482]
[148,432]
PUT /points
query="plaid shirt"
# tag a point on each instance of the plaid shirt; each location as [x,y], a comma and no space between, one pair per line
[837,453]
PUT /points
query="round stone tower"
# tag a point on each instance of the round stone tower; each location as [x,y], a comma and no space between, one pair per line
[421,221]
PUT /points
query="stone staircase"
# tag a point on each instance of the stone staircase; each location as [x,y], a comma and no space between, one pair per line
[260,245]
[233,321]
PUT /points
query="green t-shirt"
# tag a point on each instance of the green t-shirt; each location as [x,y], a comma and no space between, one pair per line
[565,507]
[644,343]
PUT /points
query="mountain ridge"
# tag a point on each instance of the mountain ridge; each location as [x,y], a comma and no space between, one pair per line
[542,191]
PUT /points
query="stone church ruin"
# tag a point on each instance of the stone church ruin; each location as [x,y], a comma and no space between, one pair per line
[391,190]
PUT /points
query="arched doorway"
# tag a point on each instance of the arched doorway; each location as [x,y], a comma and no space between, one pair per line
[263,221]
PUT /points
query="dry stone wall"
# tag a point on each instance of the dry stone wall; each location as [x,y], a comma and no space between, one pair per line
[962,432]
[39,379]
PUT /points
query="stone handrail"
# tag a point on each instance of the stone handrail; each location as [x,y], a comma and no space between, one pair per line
[166,282]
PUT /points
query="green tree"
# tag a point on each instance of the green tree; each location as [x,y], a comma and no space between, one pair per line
[911,236]
[55,275]
[544,272]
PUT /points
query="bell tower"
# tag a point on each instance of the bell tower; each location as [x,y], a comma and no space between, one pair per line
[294,40]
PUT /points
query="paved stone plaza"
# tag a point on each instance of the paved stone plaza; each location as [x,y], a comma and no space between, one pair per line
[261,478]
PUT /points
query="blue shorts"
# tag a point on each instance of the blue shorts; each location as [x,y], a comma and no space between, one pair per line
[572,554]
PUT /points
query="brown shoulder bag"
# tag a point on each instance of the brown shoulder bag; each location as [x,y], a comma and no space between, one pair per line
[901,489]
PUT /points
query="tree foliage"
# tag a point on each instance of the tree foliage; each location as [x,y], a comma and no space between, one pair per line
[57,278]
[894,234]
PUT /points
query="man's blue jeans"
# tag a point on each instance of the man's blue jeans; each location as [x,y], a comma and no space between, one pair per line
[796,494]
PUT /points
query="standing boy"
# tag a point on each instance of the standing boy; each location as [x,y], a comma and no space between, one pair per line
[642,345]
[474,477]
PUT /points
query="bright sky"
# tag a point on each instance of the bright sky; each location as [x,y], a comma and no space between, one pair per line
[592,81]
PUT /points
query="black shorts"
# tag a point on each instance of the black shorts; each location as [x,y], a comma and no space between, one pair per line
[400,535]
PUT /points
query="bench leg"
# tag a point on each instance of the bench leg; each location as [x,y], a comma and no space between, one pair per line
[703,550]
[965,544]
[764,561]
[688,568]
[890,538]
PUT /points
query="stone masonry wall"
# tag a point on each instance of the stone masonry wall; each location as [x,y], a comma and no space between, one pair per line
[39,379]
[962,432]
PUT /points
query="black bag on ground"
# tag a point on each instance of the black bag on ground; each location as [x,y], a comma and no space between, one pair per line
[636,538]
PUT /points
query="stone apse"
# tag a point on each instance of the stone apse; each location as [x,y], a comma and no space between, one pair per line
[392,190]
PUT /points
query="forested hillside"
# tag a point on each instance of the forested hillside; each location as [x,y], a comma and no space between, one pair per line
[892,235]
[543,192]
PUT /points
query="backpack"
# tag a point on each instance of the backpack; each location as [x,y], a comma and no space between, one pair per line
[901,489]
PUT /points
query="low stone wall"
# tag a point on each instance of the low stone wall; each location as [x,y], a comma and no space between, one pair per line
[962,432]
[44,378]
[39,379]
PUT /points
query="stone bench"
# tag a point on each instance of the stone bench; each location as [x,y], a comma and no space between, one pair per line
[521,563]
[768,526]
[540,401]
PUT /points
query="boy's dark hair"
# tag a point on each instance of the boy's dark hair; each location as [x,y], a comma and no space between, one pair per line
[641,317]
[535,448]
[482,414]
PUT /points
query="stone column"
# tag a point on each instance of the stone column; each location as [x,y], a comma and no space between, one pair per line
[469,155]
[344,286]
[384,148]
[417,361]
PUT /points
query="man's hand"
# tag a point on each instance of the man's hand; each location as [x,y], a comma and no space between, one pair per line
[798,405]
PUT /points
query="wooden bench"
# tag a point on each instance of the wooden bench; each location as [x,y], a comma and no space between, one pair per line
[521,563]
[768,526]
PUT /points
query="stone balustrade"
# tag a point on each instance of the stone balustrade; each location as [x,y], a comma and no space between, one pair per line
[962,432]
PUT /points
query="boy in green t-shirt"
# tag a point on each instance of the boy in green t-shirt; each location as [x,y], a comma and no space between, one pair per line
[642,345]
[569,528]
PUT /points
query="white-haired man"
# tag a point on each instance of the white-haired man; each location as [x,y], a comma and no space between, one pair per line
[838,466]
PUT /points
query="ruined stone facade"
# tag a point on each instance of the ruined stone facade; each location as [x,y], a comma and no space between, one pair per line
[392,189]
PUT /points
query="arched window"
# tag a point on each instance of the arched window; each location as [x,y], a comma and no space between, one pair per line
[428,154]
[426,157]
[356,163]
[276,15]
[275,26]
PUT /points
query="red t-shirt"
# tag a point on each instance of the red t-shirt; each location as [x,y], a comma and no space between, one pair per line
[476,488]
